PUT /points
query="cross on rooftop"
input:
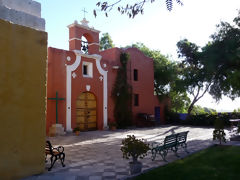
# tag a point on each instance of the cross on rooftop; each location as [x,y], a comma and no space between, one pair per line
[84,11]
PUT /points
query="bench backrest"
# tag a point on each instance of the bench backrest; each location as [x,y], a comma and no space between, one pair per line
[174,139]
[48,148]
[170,140]
[182,137]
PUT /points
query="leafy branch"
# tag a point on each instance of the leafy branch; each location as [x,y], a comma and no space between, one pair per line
[130,9]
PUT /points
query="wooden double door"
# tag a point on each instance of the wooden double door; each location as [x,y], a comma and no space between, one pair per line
[86,110]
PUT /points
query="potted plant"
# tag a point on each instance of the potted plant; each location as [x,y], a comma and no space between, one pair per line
[218,132]
[76,130]
[134,148]
[112,125]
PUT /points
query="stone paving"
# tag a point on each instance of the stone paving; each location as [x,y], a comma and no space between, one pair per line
[96,155]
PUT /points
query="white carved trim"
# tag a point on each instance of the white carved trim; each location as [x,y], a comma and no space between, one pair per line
[89,44]
[105,97]
[88,87]
[115,67]
[93,44]
[70,69]
[68,58]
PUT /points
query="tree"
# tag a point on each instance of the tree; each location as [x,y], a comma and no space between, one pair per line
[131,9]
[221,56]
[194,78]
[216,67]
[106,42]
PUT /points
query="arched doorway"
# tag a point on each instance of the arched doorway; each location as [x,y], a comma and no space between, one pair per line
[86,110]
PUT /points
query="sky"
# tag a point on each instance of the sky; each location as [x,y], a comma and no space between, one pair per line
[157,28]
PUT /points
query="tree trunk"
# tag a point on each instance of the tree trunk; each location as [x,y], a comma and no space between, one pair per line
[190,108]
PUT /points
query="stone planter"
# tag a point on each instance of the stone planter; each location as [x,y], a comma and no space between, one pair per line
[135,167]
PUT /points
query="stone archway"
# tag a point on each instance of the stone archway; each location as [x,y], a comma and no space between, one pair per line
[86,111]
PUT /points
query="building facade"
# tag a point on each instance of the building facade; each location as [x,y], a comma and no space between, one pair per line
[82,79]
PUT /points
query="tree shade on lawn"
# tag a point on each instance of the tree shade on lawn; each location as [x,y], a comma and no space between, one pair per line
[215,163]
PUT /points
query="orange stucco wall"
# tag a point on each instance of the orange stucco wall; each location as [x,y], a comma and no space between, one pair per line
[23,56]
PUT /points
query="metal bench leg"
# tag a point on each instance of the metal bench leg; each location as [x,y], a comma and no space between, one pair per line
[154,152]
[52,162]
[62,157]
[163,154]
[175,149]
[185,147]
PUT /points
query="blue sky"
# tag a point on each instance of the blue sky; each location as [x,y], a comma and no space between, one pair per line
[158,28]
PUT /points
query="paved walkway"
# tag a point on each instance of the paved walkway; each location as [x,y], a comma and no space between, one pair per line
[96,155]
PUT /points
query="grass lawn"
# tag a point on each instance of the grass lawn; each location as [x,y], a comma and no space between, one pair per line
[214,163]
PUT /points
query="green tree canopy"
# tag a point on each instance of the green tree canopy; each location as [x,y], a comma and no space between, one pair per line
[221,56]
[106,42]
[194,79]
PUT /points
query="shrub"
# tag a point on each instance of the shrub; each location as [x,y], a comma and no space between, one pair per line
[135,148]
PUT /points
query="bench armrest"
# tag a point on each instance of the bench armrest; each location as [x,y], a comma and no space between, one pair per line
[60,149]
[155,144]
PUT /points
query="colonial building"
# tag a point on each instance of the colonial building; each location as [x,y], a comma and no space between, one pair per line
[80,82]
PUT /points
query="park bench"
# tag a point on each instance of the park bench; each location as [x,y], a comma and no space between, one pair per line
[55,153]
[171,142]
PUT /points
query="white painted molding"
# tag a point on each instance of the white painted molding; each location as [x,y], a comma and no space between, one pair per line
[69,70]
[105,97]
[78,39]
[115,67]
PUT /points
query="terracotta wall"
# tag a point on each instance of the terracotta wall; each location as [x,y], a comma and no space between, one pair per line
[23,56]
[56,82]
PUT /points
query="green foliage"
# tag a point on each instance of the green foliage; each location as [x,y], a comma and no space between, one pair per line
[76,129]
[236,110]
[179,101]
[134,148]
[218,132]
[106,42]
[202,110]
[194,78]
[215,68]
[222,58]
[214,163]
[201,119]
[122,95]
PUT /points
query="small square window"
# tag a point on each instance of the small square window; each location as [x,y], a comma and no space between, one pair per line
[135,75]
[87,69]
[136,100]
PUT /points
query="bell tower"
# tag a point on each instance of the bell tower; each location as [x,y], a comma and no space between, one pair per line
[83,38]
